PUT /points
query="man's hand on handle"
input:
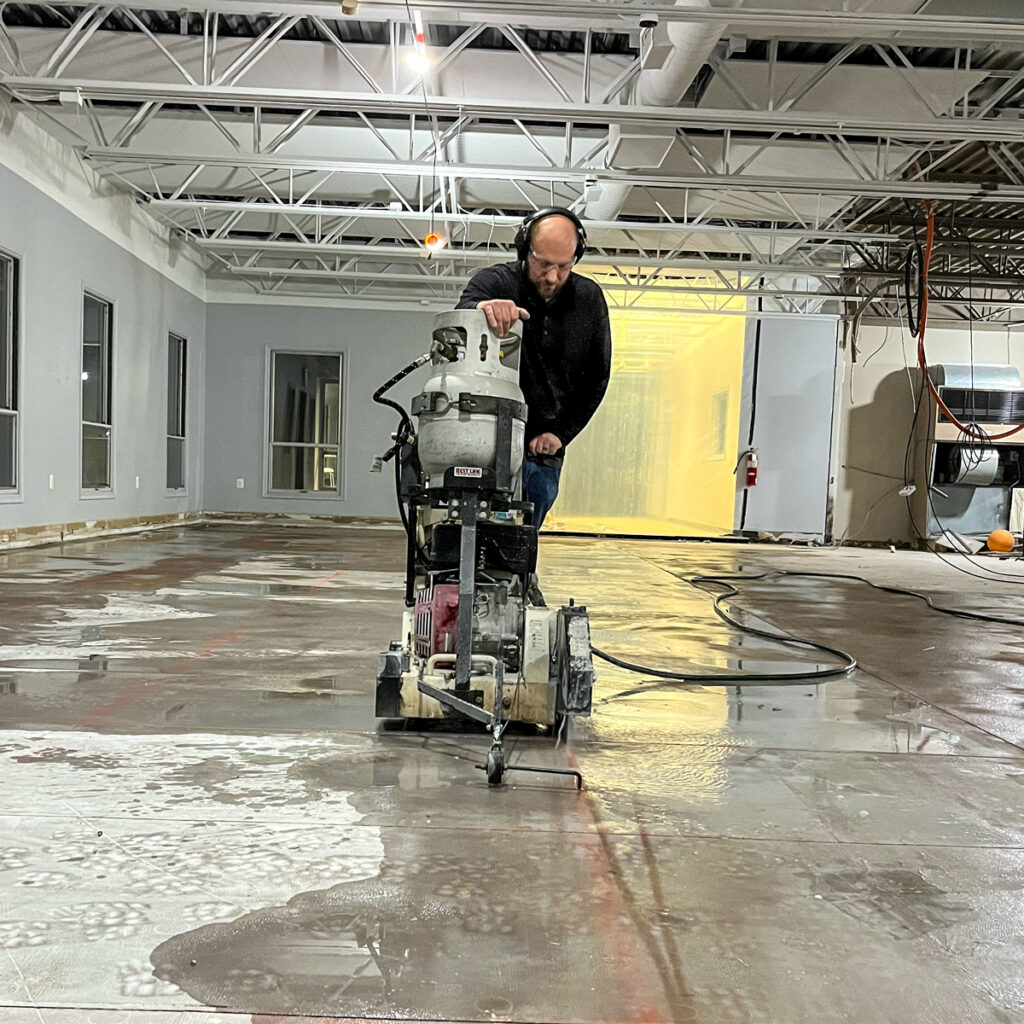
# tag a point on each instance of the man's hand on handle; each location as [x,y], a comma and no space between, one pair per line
[544,444]
[502,314]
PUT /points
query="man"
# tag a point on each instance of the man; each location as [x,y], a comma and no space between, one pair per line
[567,345]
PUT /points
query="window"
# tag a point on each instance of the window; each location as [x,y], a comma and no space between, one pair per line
[719,422]
[175,412]
[97,323]
[8,372]
[305,422]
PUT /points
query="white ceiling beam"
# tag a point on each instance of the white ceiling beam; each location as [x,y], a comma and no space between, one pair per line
[745,268]
[499,221]
[461,279]
[622,17]
[383,253]
[792,185]
[945,129]
[761,24]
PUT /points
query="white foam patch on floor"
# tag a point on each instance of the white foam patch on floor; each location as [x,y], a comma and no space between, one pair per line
[334,652]
[280,572]
[299,595]
[192,592]
[329,600]
[110,844]
[35,579]
[82,650]
[119,610]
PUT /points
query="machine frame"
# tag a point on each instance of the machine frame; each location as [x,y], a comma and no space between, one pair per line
[468,525]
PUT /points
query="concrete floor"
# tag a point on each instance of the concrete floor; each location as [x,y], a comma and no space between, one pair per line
[201,821]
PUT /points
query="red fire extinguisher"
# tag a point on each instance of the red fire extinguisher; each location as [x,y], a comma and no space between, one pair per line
[751,476]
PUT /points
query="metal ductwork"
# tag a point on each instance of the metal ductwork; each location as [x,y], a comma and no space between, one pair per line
[690,45]
[671,67]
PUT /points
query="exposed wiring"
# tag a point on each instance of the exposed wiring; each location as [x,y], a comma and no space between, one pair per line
[967,431]
[895,489]
[855,335]
[914,285]
[403,436]
[990,574]
[970,323]
[906,360]
[885,341]
[922,359]
[918,404]
[985,574]
[872,472]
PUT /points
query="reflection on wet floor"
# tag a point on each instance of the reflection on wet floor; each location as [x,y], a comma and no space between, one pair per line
[200,810]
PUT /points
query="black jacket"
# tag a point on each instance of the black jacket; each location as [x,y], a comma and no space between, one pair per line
[567,347]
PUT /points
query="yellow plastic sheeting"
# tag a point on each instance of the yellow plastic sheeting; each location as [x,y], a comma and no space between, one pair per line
[658,457]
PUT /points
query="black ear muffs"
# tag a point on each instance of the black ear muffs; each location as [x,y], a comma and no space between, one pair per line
[523,235]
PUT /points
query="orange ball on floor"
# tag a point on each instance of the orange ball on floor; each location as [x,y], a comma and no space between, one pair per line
[1000,540]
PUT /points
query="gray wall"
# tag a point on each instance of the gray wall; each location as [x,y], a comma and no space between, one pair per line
[60,257]
[375,344]
[792,423]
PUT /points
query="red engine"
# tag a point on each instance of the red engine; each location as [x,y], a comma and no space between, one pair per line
[435,626]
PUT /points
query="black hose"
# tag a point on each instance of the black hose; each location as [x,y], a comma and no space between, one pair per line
[960,613]
[743,678]
[378,395]
[733,679]
[914,268]
[402,435]
[768,679]
[398,491]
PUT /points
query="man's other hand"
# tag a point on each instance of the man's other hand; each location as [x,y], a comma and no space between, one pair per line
[502,314]
[544,444]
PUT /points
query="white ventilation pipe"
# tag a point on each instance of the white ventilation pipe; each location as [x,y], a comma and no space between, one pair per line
[605,201]
[691,44]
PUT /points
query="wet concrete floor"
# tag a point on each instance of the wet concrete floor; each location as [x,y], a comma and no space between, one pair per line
[202,822]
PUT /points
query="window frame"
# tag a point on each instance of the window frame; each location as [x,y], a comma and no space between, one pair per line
[85,490]
[10,275]
[180,415]
[270,444]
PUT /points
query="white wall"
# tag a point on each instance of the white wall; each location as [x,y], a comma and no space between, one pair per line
[875,418]
[61,256]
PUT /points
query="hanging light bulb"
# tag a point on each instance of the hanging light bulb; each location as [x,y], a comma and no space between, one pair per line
[434,241]
[417,58]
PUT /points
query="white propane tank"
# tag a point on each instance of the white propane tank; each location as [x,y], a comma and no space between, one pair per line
[468,359]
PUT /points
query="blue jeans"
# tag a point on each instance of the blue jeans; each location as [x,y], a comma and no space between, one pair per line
[540,485]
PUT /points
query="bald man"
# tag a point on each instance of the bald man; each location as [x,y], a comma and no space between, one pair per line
[567,344]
